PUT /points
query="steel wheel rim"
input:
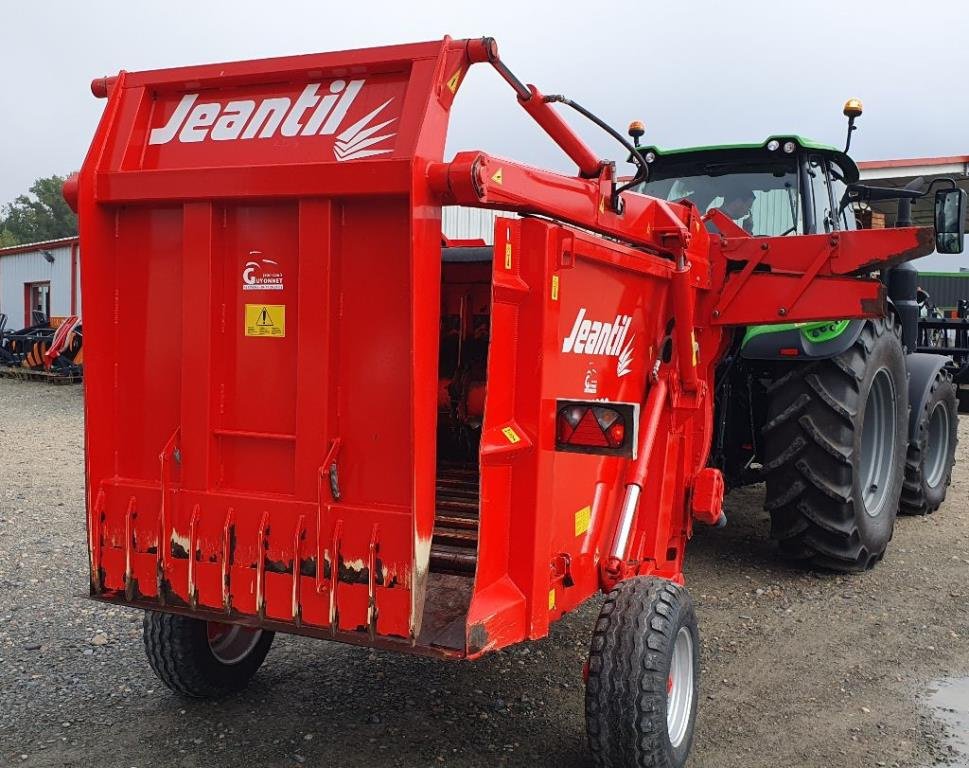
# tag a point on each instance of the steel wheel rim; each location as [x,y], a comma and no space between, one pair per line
[937,446]
[679,688]
[231,643]
[878,442]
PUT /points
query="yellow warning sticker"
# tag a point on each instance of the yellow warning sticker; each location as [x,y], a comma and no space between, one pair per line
[555,287]
[496,177]
[582,518]
[266,320]
[453,81]
[551,599]
[507,255]
[511,435]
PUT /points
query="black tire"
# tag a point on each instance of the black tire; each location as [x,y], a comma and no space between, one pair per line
[182,657]
[932,454]
[627,694]
[963,395]
[824,513]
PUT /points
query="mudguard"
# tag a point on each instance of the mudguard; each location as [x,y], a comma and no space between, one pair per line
[922,370]
[791,341]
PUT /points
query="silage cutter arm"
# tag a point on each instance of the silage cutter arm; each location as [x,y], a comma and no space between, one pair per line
[715,281]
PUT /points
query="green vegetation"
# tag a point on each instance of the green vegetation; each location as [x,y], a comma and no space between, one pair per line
[39,215]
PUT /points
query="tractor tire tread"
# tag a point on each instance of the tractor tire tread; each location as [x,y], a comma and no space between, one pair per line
[917,498]
[807,460]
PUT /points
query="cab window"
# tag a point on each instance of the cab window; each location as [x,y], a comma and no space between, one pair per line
[824,218]
[839,188]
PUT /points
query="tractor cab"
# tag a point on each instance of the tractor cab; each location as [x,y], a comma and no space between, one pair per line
[785,186]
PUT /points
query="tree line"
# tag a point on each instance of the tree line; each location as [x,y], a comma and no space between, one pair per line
[41,214]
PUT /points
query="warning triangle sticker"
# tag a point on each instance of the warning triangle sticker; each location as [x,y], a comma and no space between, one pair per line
[264,319]
[453,81]
[496,178]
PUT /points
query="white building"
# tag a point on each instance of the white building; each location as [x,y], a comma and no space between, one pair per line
[898,173]
[40,281]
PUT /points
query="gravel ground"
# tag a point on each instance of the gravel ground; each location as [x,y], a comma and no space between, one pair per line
[799,669]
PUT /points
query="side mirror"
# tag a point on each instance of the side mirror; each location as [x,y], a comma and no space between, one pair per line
[950,217]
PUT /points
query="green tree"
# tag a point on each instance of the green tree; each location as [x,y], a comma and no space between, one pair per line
[40,215]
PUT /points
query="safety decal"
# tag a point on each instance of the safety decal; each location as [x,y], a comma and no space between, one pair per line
[453,81]
[507,255]
[551,599]
[511,435]
[266,320]
[496,177]
[582,518]
[555,287]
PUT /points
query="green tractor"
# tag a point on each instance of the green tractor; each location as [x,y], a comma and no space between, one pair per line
[843,421]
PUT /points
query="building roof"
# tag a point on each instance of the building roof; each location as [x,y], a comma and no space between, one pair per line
[912,167]
[60,242]
[909,162]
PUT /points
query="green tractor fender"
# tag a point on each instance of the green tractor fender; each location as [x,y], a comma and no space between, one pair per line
[800,341]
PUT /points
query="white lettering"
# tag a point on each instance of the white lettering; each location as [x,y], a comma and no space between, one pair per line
[167,132]
[236,115]
[306,100]
[340,110]
[570,339]
[594,337]
[309,114]
[323,108]
[197,124]
[269,115]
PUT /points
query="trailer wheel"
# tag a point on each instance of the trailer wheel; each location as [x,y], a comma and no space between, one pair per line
[931,456]
[644,674]
[203,659]
[834,451]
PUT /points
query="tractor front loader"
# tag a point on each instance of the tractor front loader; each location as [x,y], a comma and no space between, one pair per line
[368,438]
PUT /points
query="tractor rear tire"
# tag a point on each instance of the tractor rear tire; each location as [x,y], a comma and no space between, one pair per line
[963,395]
[932,454]
[834,452]
[203,659]
[644,675]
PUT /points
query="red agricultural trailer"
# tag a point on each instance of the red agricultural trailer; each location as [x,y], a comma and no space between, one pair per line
[306,415]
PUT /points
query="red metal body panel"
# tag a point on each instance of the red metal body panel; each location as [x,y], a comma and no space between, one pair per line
[263,305]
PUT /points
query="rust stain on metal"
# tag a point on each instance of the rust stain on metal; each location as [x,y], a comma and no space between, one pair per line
[925,244]
[353,572]
[178,550]
[478,639]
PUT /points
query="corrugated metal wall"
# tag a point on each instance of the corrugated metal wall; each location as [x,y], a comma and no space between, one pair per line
[945,289]
[461,223]
[16,269]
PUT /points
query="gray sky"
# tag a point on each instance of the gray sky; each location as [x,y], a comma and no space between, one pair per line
[696,72]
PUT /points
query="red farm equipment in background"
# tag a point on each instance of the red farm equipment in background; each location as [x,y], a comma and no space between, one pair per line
[50,350]
[371,438]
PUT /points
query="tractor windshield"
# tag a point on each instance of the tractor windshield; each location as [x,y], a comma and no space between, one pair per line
[760,197]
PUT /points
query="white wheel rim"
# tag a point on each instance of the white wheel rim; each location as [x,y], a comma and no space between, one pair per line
[231,643]
[679,688]
[937,446]
[877,459]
